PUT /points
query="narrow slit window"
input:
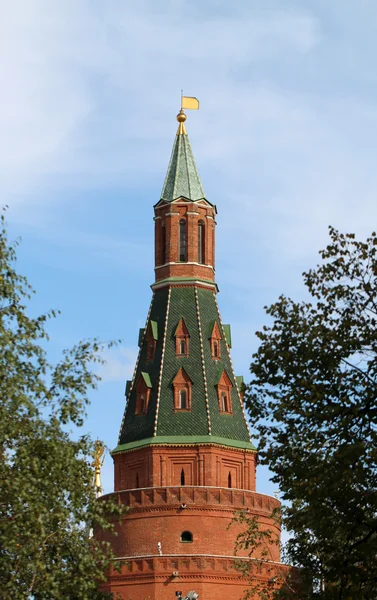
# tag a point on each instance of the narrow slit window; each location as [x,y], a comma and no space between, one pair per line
[229,480]
[182,347]
[182,477]
[201,243]
[163,244]
[137,480]
[182,241]
[224,402]
[216,349]
[183,399]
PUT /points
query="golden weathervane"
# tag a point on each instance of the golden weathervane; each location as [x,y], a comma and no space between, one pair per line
[187,102]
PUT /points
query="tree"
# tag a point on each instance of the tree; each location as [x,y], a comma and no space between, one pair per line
[312,402]
[47,497]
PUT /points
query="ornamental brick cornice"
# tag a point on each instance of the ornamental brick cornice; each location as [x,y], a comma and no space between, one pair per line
[207,567]
[198,499]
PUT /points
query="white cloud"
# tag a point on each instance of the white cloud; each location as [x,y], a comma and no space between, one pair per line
[119,366]
[82,81]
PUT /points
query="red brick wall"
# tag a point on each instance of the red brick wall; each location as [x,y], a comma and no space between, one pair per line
[160,466]
[170,215]
[212,578]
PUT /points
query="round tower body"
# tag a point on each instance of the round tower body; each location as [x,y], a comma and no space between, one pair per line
[184,464]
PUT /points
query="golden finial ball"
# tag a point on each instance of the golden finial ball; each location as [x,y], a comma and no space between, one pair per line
[181,117]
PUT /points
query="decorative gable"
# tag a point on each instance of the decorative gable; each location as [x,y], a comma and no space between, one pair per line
[182,385]
[182,339]
[215,339]
[152,336]
[224,387]
[143,391]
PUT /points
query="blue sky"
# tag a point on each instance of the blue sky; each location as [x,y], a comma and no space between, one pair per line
[284,142]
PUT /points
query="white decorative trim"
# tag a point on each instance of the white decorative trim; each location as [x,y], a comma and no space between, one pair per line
[136,366]
[162,364]
[156,218]
[231,366]
[184,263]
[171,213]
[209,217]
[203,362]
[189,212]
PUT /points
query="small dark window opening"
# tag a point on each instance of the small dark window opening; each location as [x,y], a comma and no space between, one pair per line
[163,244]
[229,480]
[224,402]
[137,480]
[182,477]
[182,240]
[182,347]
[216,348]
[186,536]
[201,243]
[183,399]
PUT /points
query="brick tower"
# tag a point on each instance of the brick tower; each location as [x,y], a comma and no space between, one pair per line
[184,462]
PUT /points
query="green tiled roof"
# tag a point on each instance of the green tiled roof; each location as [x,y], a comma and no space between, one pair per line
[184,441]
[199,310]
[182,178]
[228,336]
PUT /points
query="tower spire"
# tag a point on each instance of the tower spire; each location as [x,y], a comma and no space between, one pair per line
[182,178]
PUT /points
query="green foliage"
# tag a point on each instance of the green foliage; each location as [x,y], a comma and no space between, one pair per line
[313,404]
[266,580]
[47,498]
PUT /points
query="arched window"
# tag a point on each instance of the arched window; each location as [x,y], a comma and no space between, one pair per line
[186,536]
[229,480]
[182,347]
[182,240]
[182,477]
[163,244]
[183,399]
[224,402]
[201,243]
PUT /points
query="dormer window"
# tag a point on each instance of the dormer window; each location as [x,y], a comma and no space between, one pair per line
[182,339]
[224,388]
[143,390]
[182,385]
[215,340]
[182,241]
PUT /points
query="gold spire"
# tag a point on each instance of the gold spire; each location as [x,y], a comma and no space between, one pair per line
[98,453]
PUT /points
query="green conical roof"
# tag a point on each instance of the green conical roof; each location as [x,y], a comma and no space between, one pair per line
[182,178]
[204,422]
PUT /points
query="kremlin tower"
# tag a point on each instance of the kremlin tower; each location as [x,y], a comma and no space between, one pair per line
[184,462]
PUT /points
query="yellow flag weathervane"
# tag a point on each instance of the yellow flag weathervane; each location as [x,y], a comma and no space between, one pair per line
[187,102]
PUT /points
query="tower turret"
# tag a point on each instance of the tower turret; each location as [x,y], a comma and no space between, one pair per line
[184,461]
